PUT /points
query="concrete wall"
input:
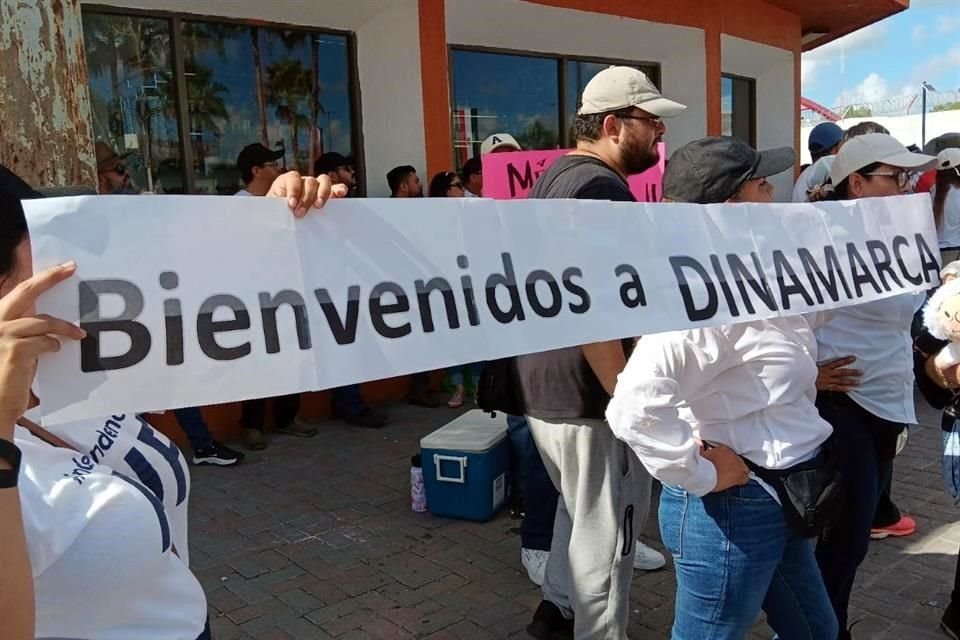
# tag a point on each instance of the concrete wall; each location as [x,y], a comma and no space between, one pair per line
[680,51]
[44,100]
[772,68]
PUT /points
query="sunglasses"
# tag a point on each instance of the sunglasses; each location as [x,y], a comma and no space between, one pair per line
[902,177]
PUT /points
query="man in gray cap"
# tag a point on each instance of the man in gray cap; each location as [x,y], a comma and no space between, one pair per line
[564,393]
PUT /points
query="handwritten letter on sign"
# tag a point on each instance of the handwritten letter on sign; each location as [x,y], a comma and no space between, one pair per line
[509,176]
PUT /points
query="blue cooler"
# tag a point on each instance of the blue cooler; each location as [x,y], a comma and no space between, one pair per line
[465,466]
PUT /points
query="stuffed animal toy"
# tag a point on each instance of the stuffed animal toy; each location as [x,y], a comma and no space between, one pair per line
[941,317]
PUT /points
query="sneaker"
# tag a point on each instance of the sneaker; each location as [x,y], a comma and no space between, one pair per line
[456,400]
[549,624]
[299,428]
[254,439]
[535,562]
[950,622]
[905,526]
[217,454]
[368,418]
[647,559]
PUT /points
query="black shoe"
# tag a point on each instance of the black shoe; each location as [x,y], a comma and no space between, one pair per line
[950,622]
[217,454]
[368,418]
[549,624]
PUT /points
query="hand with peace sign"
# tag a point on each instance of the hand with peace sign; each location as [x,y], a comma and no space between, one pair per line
[24,337]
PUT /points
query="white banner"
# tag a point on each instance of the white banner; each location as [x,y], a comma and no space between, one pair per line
[193,300]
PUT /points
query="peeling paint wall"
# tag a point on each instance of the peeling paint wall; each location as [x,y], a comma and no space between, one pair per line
[45,133]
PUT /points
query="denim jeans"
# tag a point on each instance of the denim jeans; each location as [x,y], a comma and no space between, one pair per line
[735,555]
[531,478]
[864,446]
[193,424]
[346,402]
[456,373]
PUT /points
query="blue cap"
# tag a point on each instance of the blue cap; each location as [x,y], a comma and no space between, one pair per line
[824,136]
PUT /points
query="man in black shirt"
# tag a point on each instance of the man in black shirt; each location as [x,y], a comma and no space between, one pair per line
[605,490]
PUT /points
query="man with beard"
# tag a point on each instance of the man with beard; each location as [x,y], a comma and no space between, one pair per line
[112,175]
[564,393]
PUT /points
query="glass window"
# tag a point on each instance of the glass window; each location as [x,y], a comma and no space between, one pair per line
[133,96]
[285,88]
[737,108]
[578,74]
[497,93]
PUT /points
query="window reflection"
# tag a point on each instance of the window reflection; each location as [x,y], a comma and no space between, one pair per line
[512,94]
[737,108]
[133,96]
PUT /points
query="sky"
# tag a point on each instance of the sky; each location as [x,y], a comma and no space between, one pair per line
[889,59]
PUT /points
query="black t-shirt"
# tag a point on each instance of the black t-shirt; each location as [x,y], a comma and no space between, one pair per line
[560,384]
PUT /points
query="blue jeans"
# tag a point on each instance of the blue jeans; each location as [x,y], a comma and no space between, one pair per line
[193,424]
[531,478]
[734,556]
[456,373]
[346,402]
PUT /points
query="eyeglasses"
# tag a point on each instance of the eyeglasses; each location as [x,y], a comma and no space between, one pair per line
[272,163]
[902,177]
[656,121]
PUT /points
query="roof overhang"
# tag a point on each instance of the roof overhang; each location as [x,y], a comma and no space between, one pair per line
[825,21]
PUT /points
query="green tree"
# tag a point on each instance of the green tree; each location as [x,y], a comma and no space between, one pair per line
[207,108]
[289,86]
[947,106]
[538,136]
[860,111]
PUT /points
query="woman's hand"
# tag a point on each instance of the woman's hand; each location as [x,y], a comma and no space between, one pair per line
[24,337]
[833,375]
[303,192]
[732,471]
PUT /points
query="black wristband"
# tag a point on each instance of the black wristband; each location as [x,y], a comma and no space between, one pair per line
[10,453]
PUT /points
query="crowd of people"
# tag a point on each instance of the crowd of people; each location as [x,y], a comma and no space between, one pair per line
[722,417]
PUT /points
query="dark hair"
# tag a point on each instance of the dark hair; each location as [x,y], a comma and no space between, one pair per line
[246,174]
[814,156]
[13,229]
[471,167]
[590,127]
[862,129]
[397,175]
[842,190]
[440,184]
[946,179]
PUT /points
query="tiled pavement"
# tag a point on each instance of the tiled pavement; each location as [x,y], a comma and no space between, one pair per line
[315,539]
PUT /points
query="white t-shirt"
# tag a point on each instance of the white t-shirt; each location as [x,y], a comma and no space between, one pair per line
[243,192]
[101,551]
[749,386]
[128,444]
[816,174]
[878,334]
[949,231]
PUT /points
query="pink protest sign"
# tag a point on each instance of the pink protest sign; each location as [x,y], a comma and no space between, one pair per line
[508,176]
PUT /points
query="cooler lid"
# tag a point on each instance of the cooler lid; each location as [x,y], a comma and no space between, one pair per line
[475,432]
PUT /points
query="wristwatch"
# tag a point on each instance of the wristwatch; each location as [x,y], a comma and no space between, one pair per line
[11,454]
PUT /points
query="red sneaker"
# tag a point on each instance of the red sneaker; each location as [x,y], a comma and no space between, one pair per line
[905,526]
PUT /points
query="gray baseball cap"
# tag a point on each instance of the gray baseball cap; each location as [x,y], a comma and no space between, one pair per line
[712,170]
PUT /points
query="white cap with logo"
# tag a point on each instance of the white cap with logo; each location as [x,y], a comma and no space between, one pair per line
[949,159]
[617,88]
[858,152]
[499,141]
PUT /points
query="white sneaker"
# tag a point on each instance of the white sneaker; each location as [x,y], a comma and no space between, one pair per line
[647,559]
[535,562]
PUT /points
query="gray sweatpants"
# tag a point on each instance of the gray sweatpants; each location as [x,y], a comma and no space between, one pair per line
[604,502]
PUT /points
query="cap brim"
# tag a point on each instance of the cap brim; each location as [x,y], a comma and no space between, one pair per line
[909,160]
[505,145]
[774,161]
[276,155]
[662,107]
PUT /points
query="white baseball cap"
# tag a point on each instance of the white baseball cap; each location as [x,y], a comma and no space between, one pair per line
[948,159]
[499,141]
[867,149]
[617,88]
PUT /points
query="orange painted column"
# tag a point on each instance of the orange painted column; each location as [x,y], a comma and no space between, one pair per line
[712,28]
[797,89]
[434,73]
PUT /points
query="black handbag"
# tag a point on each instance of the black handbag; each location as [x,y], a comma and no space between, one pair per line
[498,390]
[812,493]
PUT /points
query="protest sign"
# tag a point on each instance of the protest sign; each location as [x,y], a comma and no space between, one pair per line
[191,300]
[509,176]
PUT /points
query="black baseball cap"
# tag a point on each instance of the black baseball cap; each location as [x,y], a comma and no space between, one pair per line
[711,170]
[331,161]
[256,155]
